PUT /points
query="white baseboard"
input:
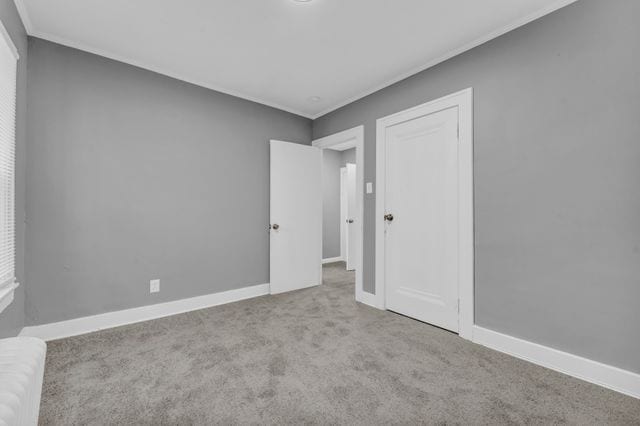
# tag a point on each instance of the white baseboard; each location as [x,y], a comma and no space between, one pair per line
[332,260]
[614,378]
[74,327]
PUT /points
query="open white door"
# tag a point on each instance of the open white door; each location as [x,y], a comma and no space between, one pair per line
[296,217]
[344,217]
[352,213]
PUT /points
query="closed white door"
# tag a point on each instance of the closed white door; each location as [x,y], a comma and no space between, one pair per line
[296,217]
[351,217]
[421,218]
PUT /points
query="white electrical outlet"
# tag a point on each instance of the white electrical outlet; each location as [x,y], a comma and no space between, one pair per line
[154,286]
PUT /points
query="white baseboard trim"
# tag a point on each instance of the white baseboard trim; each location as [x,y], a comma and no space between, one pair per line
[610,377]
[74,327]
[332,260]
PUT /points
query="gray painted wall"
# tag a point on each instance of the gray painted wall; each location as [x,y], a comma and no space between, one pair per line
[331,163]
[349,156]
[131,176]
[12,318]
[557,155]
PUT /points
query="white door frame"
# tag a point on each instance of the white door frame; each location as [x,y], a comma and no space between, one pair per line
[353,138]
[464,101]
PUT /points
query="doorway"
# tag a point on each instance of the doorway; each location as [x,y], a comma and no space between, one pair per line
[343,217]
[339,207]
[296,212]
[424,213]
[348,210]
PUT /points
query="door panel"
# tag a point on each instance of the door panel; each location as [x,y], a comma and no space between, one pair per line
[343,213]
[296,212]
[421,241]
[352,215]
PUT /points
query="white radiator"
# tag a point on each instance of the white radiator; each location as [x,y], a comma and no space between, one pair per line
[21,374]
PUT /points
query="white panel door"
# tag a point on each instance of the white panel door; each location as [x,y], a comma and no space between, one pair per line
[352,215]
[296,217]
[421,220]
[344,218]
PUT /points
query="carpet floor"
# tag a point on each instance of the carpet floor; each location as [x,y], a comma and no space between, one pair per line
[312,356]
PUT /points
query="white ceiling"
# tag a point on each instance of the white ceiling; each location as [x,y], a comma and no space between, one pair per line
[280,52]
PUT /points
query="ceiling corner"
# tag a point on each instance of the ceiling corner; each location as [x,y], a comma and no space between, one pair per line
[24,15]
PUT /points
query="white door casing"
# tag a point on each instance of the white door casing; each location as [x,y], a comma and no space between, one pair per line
[296,217]
[424,174]
[352,213]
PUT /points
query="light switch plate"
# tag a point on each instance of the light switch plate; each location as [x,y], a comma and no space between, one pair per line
[369,187]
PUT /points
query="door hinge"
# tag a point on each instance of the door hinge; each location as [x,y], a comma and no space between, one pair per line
[458,130]
[458,305]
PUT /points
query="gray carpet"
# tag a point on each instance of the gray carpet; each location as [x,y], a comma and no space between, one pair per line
[309,357]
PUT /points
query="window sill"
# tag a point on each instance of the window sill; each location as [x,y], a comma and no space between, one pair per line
[6,296]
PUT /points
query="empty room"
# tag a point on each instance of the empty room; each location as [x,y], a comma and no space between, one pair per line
[354,212]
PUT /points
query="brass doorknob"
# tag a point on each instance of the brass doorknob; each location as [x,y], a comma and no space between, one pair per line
[388,217]
[275,226]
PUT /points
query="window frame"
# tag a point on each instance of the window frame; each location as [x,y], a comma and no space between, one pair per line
[7,288]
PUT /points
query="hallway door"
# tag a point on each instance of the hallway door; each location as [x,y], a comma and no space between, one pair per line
[352,213]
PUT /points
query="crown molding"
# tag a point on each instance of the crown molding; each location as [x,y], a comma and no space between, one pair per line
[24,15]
[32,31]
[452,53]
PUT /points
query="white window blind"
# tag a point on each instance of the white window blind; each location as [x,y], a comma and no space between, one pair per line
[8,68]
